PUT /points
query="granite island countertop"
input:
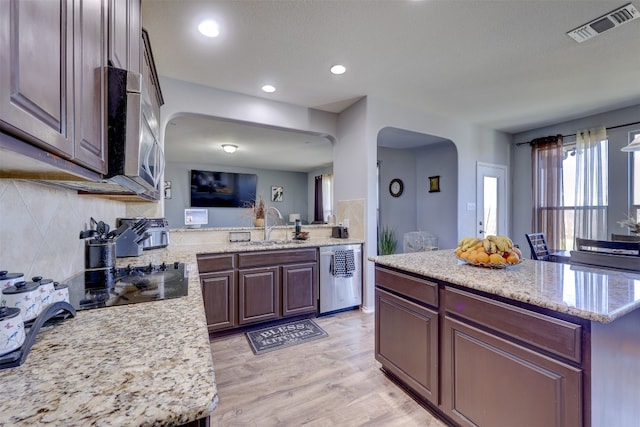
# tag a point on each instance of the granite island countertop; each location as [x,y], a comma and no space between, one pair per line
[596,294]
[135,365]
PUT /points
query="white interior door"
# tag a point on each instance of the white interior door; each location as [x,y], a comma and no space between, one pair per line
[491,199]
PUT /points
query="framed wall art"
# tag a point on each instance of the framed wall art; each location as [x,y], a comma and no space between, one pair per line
[434,184]
[277,193]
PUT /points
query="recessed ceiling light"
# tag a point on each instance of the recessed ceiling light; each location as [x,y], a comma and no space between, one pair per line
[209,28]
[338,69]
[229,148]
[268,88]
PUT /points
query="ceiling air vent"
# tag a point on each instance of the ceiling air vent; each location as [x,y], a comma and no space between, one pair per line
[610,20]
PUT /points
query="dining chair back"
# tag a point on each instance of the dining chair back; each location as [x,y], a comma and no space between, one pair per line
[538,244]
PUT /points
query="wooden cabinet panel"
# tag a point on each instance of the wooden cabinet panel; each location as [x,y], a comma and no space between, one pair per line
[219,293]
[259,295]
[488,381]
[407,342]
[36,78]
[265,258]
[419,289]
[545,332]
[52,80]
[90,22]
[299,289]
[125,28]
[214,262]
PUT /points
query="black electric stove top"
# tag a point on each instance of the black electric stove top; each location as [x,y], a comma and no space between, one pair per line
[128,285]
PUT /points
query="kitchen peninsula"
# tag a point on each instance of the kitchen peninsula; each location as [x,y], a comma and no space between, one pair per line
[135,365]
[537,343]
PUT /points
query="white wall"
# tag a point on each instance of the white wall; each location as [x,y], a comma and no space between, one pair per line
[436,212]
[398,213]
[619,167]
[417,209]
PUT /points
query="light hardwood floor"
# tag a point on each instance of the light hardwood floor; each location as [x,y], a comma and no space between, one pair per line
[333,381]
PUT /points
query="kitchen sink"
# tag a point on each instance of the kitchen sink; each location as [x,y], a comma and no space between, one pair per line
[266,242]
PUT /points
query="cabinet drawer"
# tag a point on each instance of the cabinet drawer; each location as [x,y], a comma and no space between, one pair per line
[554,335]
[421,290]
[265,258]
[217,262]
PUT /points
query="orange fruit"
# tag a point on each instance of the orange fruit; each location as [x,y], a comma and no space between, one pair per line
[482,257]
[496,259]
[513,258]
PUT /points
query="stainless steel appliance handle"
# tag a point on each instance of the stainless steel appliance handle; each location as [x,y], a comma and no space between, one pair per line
[160,165]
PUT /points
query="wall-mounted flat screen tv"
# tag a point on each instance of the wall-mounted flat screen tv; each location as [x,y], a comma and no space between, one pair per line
[222,189]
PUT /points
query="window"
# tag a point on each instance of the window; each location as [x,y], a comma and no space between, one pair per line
[570,188]
[635,181]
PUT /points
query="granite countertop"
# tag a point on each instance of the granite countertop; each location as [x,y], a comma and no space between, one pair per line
[136,365]
[187,252]
[601,295]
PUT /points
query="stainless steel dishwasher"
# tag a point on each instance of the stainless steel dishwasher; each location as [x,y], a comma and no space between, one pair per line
[340,277]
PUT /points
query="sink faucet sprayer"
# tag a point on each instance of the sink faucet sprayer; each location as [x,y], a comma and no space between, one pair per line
[267,230]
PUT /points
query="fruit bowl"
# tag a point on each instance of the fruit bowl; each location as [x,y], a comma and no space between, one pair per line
[487,264]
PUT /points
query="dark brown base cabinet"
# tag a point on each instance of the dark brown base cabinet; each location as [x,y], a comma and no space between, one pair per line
[407,336]
[242,289]
[219,294]
[259,298]
[499,365]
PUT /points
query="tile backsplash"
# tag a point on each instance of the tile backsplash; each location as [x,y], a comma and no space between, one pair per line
[40,227]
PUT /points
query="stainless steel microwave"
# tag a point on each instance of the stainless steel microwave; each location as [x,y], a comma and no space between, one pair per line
[135,157]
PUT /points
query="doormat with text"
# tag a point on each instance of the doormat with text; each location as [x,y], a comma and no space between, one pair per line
[281,336]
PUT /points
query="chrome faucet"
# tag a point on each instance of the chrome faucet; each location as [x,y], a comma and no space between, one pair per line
[267,230]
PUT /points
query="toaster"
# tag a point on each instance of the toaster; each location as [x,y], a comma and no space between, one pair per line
[340,232]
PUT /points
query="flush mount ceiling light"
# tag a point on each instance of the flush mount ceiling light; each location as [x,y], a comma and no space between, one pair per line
[268,88]
[338,69]
[633,145]
[229,148]
[209,28]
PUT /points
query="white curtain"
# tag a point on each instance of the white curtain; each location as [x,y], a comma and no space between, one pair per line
[327,195]
[592,178]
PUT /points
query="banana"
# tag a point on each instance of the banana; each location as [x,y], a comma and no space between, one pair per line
[501,242]
[487,245]
[494,247]
[464,241]
[469,243]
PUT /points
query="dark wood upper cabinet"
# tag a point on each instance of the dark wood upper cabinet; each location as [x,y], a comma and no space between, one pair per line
[52,81]
[124,34]
[36,78]
[90,24]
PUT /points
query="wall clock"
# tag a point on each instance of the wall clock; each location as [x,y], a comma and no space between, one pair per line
[396,187]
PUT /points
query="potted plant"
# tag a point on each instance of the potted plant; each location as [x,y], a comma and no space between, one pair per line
[258,212]
[387,241]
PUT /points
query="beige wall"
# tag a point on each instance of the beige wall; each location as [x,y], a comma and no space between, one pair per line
[40,227]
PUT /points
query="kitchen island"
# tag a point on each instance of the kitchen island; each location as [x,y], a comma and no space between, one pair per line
[537,343]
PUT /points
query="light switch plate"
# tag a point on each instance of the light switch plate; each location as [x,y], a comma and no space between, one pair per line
[471,206]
